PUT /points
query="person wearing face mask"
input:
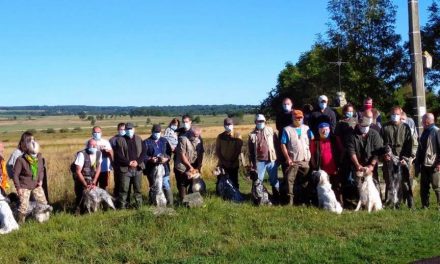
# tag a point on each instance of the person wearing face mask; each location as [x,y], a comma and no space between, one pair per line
[129,164]
[322,114]
[25,137]
[170,133]
[428,160]
[28,178]
[116,175]
[363,148]
[87,170]
[324,157]
[345,126]
[188,158]
[227,149]
[158,151]
[369,114]
[185,126]
[398,136]
[263,155]
[284,117]
[106,149]
[368,106]
[296,152]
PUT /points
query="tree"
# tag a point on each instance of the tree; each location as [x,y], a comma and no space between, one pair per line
[197,120]
[82,115]
[431,43]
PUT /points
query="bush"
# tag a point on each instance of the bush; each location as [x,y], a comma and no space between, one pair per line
[33,131]
[64,130]
[50,131]
[77,129]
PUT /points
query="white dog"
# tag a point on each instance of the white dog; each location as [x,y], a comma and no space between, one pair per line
[368,194]
[7,220]
[326,196]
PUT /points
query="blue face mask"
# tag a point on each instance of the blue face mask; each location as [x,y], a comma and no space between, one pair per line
[187,126]
[349,114]
[261,125]
[121,133]
[129,133]
[156,135]
[287,108]
[92,150]
[97,135]
[173,127]
[323,106]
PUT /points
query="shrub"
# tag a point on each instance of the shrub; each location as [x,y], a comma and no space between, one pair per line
[77,129]
[64,130]
[50,131]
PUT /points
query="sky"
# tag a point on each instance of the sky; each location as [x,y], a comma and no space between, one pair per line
[142,52]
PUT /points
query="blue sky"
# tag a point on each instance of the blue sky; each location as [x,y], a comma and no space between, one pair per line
[154,52]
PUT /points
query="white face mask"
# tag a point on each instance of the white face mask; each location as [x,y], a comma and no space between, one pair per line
[187,126]
[97,135]
[287,107]
[395,118]
[173,127]
[364,130]
[229,128]
[156,135]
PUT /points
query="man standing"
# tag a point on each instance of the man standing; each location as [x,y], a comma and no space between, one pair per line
[398,136]
[188,158]
[227,149]
[295,148]
[116,174]
[158,151]
[285,118]
[368,105]
[428,160]
[186,125]
[129,154]
[262,153]
[104,146]
[322,115]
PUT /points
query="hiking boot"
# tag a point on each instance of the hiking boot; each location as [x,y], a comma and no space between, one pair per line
[276,195]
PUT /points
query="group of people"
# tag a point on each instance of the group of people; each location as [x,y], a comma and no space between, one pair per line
[305,140]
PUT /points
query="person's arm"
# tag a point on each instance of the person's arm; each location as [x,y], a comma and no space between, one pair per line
[17,170]
[406,152]
[79,163]
[284,142]
[181,150]
[139,162]
[351,150]
[251,147]
[237,152]
[218,153]
[98,169]
[40,172]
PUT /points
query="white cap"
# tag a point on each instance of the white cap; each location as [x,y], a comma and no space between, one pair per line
[260,117]
[322,98]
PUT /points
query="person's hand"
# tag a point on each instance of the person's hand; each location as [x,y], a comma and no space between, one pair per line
[20,192]
[133,164]
[368,169]
[437,168]
[289,162]
[359,167]
[403,162]
[39,183]
[387,157]
[91,186]
[164,160]
[154,159]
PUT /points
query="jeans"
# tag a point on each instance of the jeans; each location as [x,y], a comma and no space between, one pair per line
[272,169]
[132,177]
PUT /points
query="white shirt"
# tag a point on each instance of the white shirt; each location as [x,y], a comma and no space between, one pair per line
[80,159]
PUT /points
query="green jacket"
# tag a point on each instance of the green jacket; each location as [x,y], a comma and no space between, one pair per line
[399,138]
[365,149]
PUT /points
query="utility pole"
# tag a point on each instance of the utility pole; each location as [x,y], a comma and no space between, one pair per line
[418,82]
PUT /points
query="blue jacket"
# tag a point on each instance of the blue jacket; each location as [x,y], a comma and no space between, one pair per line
[153,149]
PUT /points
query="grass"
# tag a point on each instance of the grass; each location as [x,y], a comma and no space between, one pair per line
[219,232]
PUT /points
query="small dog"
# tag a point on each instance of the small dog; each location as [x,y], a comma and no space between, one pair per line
[93,198]
[224,187]
[368,193]
[156,192]
[394,191]
[7,220]
[41,212]
[197,183]
[260,195]
[326,196]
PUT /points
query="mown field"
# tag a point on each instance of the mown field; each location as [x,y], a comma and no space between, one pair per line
[219,232]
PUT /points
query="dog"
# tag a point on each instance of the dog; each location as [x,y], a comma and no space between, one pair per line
[394,191]
[197,183]
[40,212]
[326,196]
[260,195]
[7,220]
[368,194]
[93,198]
[156,192]
[224,187]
